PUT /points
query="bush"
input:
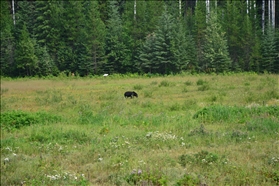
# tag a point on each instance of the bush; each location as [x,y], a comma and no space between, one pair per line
[17,119]
[201,82]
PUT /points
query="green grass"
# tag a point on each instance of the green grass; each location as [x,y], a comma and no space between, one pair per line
[181,130]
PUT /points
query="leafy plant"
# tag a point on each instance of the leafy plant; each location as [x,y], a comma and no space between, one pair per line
[17,119]
[187,179]
[201,82]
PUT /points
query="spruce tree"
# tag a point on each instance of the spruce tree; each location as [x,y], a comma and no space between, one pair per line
[95,31]
[7,41]
[46,65]
[215,49]
[269,50]
[117,41]
[164,57]
[26,60]
[232,24]
[183,48]
[147,56]
[74,35]
[199,30]
[276,62]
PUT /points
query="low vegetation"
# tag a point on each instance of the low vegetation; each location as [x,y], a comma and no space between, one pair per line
[181,130]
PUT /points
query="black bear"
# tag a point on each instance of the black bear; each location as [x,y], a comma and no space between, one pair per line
[130,94]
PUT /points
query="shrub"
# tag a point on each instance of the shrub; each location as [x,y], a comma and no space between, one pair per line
[17,119]
[187,179]
[201,82]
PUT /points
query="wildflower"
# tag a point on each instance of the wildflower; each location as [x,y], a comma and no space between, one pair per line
[183,144]
[14,154]
[127,142]
[6,160]
[8,148]
[100,159]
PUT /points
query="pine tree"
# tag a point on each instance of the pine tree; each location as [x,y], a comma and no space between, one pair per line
[183,48]
[7,41]
[232,25]
[72,51]
[26,60]
[25,15]
[162,44]
[269,50]
[117,53]
[95,31]
[46,65]
[147,56]
[199,30]
[276,62]
[215,48]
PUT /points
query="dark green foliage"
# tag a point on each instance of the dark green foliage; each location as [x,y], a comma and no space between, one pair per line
[215,50]
[269,50]
[117,41]
[201,82]
[187,179]
[142,177]
[17,119]
[7,41]
[26,60]
[96,37]
[47,135]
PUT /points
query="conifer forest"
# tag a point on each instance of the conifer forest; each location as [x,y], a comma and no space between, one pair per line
[46,38]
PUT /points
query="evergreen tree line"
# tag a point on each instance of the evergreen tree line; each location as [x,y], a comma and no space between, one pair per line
[97,37]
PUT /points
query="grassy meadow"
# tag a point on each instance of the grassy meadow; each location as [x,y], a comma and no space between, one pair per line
[181,130]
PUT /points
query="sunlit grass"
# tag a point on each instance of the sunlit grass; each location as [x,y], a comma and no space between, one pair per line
[105,139]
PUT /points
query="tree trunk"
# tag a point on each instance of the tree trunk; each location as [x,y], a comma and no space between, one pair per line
[263,12]
[13,7]
[135,9]
[273,13]
[180,7]
[269,11]
[207,9]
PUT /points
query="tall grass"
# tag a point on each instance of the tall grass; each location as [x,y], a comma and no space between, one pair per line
[181,130]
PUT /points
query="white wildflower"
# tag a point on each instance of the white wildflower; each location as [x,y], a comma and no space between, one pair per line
[8,148]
